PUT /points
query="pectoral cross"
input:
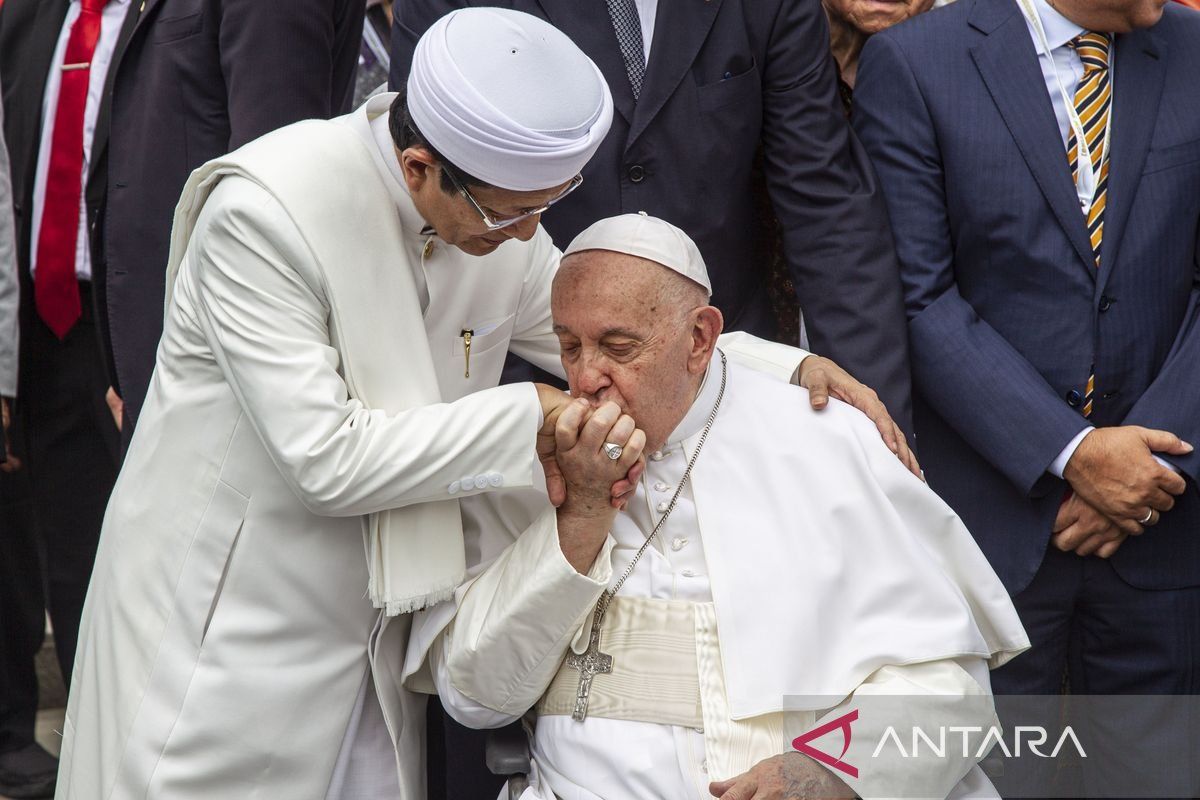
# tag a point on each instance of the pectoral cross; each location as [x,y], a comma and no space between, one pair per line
[590,663]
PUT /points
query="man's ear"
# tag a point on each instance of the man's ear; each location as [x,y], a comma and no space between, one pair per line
[707,324]
[417,165]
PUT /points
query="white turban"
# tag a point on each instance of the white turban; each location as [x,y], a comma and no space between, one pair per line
[508,98]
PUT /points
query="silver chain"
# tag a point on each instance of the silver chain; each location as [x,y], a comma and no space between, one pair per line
[610,593]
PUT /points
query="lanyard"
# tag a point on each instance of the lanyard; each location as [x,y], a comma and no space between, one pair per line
[1084,153]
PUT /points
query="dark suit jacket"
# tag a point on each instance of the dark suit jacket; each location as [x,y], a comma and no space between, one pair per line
[28,33]
[195,79]
[1006,308]
[724,78]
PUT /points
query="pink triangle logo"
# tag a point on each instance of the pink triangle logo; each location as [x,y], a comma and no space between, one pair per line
[801,743]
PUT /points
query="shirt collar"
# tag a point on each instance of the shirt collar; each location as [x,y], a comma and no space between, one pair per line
[694,420]
[1059,30]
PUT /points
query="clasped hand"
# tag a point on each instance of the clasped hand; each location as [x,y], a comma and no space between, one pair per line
[570,447]
[1119,489]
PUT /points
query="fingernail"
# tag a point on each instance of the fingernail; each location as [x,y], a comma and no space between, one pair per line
[1188,447]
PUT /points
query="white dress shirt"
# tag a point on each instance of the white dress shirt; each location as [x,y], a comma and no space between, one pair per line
[110,26]
[1062,64]
[647,12]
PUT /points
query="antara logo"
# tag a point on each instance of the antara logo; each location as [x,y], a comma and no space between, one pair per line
[1032,737]
[801,743]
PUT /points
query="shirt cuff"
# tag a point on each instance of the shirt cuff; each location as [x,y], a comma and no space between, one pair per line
[1168,464]
[1059,464]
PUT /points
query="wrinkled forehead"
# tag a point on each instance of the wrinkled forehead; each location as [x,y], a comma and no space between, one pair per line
[601,287]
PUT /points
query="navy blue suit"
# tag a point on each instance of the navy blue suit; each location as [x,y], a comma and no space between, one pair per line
[1007,311]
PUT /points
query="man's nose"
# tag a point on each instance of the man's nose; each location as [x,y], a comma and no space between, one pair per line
[592,378]
[524,230]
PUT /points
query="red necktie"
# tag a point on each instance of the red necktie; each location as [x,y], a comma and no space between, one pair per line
[56,289]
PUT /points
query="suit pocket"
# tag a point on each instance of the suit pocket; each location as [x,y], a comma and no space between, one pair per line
[1175,155]
[175,28]
[728,91]
[486,336]
[212,552]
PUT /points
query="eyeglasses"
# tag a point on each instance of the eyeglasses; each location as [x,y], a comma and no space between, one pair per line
[495,222]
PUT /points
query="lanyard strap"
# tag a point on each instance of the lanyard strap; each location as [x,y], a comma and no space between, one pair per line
[1084,153]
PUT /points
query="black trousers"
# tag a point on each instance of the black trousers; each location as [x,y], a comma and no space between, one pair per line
[1108,638]
[51,510]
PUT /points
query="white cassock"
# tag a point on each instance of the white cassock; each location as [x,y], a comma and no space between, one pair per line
[798,511]
[228,646]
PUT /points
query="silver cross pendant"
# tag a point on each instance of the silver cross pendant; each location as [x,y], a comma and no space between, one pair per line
[590,663]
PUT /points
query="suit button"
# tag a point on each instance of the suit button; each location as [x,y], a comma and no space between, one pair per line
[1074,398]
[1105,303]
[468,483]
[637,173]
[454,487]
[481,481]
[495,479]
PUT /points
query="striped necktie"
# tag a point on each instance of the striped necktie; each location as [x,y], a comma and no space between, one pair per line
[1093,98]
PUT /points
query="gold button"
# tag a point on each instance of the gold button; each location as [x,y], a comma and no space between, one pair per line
[428,248]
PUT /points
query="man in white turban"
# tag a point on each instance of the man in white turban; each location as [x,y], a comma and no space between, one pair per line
[768,568]
[340,300]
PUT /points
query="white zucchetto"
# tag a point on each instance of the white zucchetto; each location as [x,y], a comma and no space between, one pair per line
[508,98]
[646,237]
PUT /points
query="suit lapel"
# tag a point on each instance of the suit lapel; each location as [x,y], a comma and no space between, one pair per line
[1137,88]
[46,27]
[680,28]
[100,139]
[590,27]
[1008,63]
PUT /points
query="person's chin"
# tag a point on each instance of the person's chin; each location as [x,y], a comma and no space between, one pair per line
[480,246]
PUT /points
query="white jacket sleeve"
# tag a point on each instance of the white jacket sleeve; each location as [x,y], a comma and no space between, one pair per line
[514,624]
[249,281]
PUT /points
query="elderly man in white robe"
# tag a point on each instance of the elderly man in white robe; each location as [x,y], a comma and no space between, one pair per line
[674,649]
[326,392]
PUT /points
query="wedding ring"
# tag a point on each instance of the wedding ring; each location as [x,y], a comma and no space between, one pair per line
[1149,514]
[613,450]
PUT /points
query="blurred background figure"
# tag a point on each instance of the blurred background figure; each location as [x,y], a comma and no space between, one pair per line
[375,59]
[54,59]
[196,79]
[851,22]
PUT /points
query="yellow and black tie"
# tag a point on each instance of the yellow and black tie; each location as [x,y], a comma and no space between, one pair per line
[1093,98]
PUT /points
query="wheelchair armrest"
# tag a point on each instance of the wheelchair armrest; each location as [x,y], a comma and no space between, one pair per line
[506,751]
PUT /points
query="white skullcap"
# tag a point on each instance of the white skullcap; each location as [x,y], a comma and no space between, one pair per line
[646,237]
[508,98]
